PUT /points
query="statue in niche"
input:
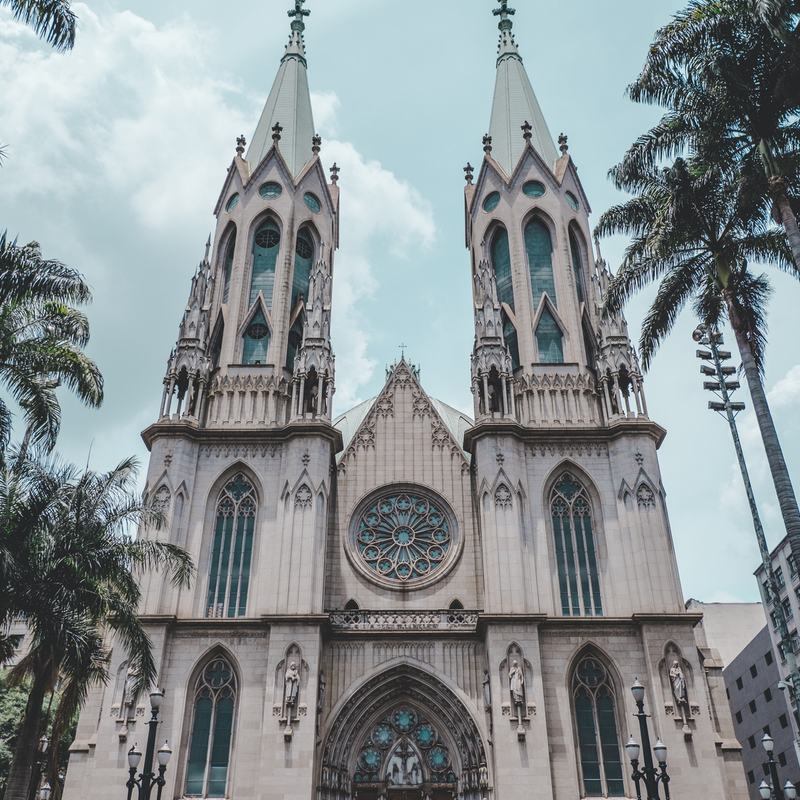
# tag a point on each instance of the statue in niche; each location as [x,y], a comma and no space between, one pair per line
[291,681]
[495,388]
[487,690]
[404,768]
[516,683]
[678,682]
[321,691]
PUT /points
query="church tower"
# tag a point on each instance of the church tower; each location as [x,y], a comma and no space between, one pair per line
[404,603]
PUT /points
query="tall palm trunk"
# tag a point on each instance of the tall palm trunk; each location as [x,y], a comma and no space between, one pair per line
[769,436]
[788,220]
[25,754]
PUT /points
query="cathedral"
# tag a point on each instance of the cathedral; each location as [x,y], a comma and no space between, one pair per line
[403,602]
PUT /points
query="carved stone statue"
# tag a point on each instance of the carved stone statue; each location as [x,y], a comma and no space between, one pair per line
[321,691]
[516,683]
[487,690]
[292,679]
[678,684]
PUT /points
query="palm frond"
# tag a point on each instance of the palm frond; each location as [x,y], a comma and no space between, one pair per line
[52,20]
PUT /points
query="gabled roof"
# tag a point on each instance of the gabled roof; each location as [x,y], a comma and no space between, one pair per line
[514,104]
[289,104]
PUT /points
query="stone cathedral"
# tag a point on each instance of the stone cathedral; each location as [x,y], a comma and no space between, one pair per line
[403,603]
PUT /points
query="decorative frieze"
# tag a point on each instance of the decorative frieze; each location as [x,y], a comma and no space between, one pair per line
[241,450]
[362,620]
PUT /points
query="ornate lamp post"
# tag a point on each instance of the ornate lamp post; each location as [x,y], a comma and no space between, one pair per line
[765,790]
[41,749]
[649,774]
[147,778]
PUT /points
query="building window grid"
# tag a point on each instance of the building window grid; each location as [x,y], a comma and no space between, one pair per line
[779,579]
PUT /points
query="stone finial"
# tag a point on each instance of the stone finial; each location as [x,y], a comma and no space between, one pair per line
[240,143]
[468,170]
[526,131]
[562,144]
[487,144]
[316,143]
[208,247]
[334,170]
[298,12]
[504,12]
[276,132]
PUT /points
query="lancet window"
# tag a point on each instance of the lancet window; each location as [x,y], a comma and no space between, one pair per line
[576,555]
[539,247]
[228,266]
[596,727]
[265,256]
[501,261]
[229,572]
[577,266]
[256,340]
[549,339]
[212,727]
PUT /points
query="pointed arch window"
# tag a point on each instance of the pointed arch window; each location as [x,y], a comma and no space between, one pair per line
[229,572]
[549,339]
[576,555]
[216,343]
[256,340]
[212,726]
[228,266]
[265,256]
[501,261]
[577,264]
[303,258]
[539,247]
[596,726]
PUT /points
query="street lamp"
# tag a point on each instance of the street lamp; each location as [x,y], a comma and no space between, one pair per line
[649,774]
[41,749]
[765,790]
[144,783]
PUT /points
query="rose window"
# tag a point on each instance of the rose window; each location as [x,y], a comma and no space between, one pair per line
[403,537]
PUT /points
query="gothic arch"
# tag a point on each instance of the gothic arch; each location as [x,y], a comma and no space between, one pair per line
[226,256]
[385,691]
[584,287]
[268,214]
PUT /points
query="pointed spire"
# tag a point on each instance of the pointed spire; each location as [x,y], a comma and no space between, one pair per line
[514,103]
[289,103]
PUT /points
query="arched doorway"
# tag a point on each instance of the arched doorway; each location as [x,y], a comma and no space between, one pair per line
[404,735]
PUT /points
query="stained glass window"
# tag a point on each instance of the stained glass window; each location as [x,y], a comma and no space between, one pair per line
[576,557]
[229,251]
[573,201]
[491,202]
[270,189]
[303,258]
[533,189]
[256,340]
[229,572]
[539,247]
[209,751]
[232,203]
[501,261]
[295,339]
[403,537]
[596,724]
[265,256]
[549,339]
[575,250]
[312,202]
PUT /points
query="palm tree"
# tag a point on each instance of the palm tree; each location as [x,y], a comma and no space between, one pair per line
[727,80]
[53,20]
[41,341]
[69,572]
[694,232]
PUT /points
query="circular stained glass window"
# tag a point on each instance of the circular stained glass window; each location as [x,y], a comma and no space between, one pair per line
[232,202]
[383,735]
[267,238]
[572,200]
[303,248]
[403,537]
[370,758]
[425,735]
[270,189]
[533,189]
[258,330]
[490,203]
[404,719]
[312,202]
[438,758]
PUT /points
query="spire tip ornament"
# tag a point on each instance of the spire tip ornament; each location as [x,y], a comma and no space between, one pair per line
[240,144]
[504,12]
[276,132]
[298,12]
[316,143]
[468,170]
[562,144]
[487,144]
[526,131]
[334,170]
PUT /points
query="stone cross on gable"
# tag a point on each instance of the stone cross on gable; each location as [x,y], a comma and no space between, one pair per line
[298,12]
[504,12]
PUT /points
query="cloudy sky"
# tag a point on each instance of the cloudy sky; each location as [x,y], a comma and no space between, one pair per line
[117,152]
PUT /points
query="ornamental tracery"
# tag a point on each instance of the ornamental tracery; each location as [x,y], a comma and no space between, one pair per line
[403,536]
[404,749]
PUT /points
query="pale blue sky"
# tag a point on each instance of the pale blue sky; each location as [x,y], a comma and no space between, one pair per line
[118,150]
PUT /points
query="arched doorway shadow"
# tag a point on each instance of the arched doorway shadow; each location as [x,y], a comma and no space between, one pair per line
[404,735]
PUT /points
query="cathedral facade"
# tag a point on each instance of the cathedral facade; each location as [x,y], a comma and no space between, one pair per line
[406,603]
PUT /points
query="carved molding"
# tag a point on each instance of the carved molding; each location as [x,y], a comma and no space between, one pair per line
[303,497]
[567,449]
[241,450]
[502,496]
[361,620]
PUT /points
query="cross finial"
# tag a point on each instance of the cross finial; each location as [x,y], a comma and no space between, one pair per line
[402,350]
[240,143]
[316,142]
[334,170]
[469,169]
[487,144]
[504,12]
[562,144]
[298,12]
[526,131]
[276,132]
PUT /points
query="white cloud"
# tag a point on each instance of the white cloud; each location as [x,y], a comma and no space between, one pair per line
[325,105]
[786,392]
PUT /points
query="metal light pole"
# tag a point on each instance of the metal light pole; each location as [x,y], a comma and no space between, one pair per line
[765,790]
[147,778]
[649,774]
[41,749]
[712,339]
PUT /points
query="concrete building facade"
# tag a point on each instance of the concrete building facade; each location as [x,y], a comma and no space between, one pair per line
[405,603]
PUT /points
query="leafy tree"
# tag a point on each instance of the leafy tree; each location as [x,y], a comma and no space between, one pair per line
[694,232]
[70,573]
[53,20]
